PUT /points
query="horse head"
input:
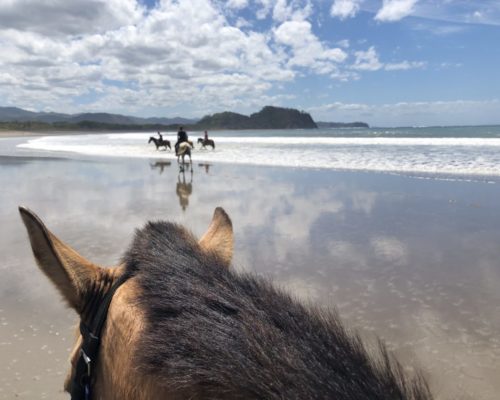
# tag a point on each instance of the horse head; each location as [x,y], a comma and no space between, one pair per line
[83,285]
[179,323]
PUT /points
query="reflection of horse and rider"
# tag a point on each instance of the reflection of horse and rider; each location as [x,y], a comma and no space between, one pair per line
[183,189]
[160,165]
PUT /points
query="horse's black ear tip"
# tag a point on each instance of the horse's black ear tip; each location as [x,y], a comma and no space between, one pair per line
[24,211]
[27,216]
[219,210]
[220,213]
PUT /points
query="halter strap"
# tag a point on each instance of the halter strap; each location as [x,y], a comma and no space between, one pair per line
[81,385]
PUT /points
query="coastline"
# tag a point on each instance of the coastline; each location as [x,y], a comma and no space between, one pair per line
[14,134]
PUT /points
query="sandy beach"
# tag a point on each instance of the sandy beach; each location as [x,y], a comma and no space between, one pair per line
[414,261]
[11,134]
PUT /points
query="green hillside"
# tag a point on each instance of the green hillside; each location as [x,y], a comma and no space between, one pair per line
[267,118]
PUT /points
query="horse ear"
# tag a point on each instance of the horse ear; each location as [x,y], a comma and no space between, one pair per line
[218,238]
[72,274]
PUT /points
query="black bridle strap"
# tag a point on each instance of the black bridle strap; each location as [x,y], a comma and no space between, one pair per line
[80,387]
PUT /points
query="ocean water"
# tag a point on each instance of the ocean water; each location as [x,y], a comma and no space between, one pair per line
[439,152]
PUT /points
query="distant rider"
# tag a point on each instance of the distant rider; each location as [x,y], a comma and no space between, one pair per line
[161,136]
[206,136]
[181,137]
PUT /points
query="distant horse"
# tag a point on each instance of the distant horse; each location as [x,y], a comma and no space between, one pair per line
[206,142]
[159,142]
[184,150]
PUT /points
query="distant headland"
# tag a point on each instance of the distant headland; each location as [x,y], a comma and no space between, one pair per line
[270,117]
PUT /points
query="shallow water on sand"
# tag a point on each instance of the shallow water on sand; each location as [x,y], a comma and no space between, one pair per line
[449,157]
[416,261]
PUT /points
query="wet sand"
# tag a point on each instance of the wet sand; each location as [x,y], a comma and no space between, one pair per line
[11,134]
[415,261]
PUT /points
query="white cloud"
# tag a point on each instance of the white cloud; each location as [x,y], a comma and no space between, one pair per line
[344,76]
[459,11]
[367,60]
[178,51]
[60,17]
[345,8]
[307,50]
[177,54]
[405,65]
[283,10]
[394,10]
[438,27]
[344,43]
[181,55]
[266,6]
[447,65]
[458,112]
[237,4]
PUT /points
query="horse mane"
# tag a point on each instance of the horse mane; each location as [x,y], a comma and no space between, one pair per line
[232,335]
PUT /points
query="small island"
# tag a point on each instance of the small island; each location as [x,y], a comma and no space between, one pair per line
[268,118]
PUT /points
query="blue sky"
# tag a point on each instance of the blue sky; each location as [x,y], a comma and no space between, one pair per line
[386,62]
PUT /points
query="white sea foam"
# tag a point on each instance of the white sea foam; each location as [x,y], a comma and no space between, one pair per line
[333,141]
[452,156]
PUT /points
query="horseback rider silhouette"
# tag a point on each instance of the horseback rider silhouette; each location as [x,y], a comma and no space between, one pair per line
[181,137]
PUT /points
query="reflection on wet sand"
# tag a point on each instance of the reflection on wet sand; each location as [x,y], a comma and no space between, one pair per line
[160,165]
[206,166]
[184,189]
[412,261]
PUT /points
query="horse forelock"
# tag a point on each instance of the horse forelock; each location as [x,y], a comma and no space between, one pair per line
[227,335]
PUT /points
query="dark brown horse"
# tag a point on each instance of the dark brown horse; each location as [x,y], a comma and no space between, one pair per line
[180,323]
[206,142]
[159,142]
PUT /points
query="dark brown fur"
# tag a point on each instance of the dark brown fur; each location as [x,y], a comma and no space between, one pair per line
[206,142]
[230,335]
[186,326]
[159,142]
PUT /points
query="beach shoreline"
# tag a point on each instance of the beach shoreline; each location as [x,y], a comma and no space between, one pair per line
[410,260]
[443,157]
[14,134]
